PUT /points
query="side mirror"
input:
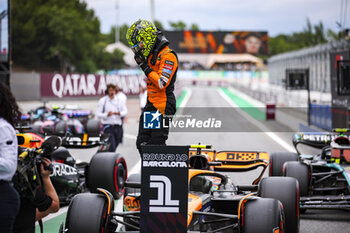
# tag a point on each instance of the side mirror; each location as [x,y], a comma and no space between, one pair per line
[20,140]
[199,162]
[51,144]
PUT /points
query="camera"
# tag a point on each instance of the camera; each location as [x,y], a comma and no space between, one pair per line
[28,175]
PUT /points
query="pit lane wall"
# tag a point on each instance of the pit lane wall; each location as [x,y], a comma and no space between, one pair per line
[41,86]
[25,85]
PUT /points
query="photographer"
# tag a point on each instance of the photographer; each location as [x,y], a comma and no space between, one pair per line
[45,202]
[9,199]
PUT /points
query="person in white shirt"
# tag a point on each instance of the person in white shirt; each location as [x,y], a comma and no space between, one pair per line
[142,97]
[9,198]
[120,94]
[111,110]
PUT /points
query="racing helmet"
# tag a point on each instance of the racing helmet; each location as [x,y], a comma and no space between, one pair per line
[141,36]
[340,148]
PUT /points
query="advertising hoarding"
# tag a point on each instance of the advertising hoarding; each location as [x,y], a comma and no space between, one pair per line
[87,85]
[253,42]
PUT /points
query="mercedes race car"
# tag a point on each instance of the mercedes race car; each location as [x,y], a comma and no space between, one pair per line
[61,119]
[70,177]
[215,203]
[324,178]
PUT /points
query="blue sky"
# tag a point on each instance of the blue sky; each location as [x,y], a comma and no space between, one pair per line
[275,16]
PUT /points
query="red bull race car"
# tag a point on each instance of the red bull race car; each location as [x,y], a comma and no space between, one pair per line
[70,177]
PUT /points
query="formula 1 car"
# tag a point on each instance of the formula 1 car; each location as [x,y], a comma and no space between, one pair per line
[324,178]
[215,203]
[70,177]
[61,119]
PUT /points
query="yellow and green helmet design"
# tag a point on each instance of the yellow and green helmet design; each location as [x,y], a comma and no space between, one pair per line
[142,35]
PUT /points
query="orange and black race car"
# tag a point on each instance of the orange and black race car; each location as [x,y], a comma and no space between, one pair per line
[215,202]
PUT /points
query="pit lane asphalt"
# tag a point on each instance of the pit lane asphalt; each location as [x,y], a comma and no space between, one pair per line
[313,221]
[320,221]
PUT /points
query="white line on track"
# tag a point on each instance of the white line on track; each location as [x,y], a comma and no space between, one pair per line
[186,99]
[54,215]
[130,136]
[258,124]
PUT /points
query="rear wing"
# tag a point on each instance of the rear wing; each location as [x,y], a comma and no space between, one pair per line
[78,113]
[315,140]
[83,140]
[319,140]
[233,161]
[241,160]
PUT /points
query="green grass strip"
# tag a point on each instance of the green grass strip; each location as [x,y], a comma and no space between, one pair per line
[245,105]
[181,98]
[52,225]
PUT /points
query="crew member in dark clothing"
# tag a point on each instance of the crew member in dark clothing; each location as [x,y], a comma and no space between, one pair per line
[9,199]
[159,63]
[45,202]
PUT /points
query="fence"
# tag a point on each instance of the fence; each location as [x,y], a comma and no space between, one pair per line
[321,116]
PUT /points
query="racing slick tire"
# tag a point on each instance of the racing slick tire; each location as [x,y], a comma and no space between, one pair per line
[286,190]
[263,215]
[107,170]
[86,213]
[93,126]
[300,172]
[277,159]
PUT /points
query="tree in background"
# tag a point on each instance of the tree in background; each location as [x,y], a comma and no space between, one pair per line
[158,24]
[311,35]
[194,27]
[109,38]
[108,61]
[58,36]
[180,25]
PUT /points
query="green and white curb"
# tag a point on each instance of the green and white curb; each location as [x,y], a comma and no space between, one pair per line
[182,100]
[252,107]
[232,100]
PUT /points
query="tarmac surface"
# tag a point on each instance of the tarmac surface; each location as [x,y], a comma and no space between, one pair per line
[262,136]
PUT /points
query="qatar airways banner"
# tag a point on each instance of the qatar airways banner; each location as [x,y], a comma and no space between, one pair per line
[85,85]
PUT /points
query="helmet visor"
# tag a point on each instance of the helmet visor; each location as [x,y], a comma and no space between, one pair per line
[137,47]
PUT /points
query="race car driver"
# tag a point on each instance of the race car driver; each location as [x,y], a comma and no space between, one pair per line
[159,63]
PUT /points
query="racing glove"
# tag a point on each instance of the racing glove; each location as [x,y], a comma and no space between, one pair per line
[141,61]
